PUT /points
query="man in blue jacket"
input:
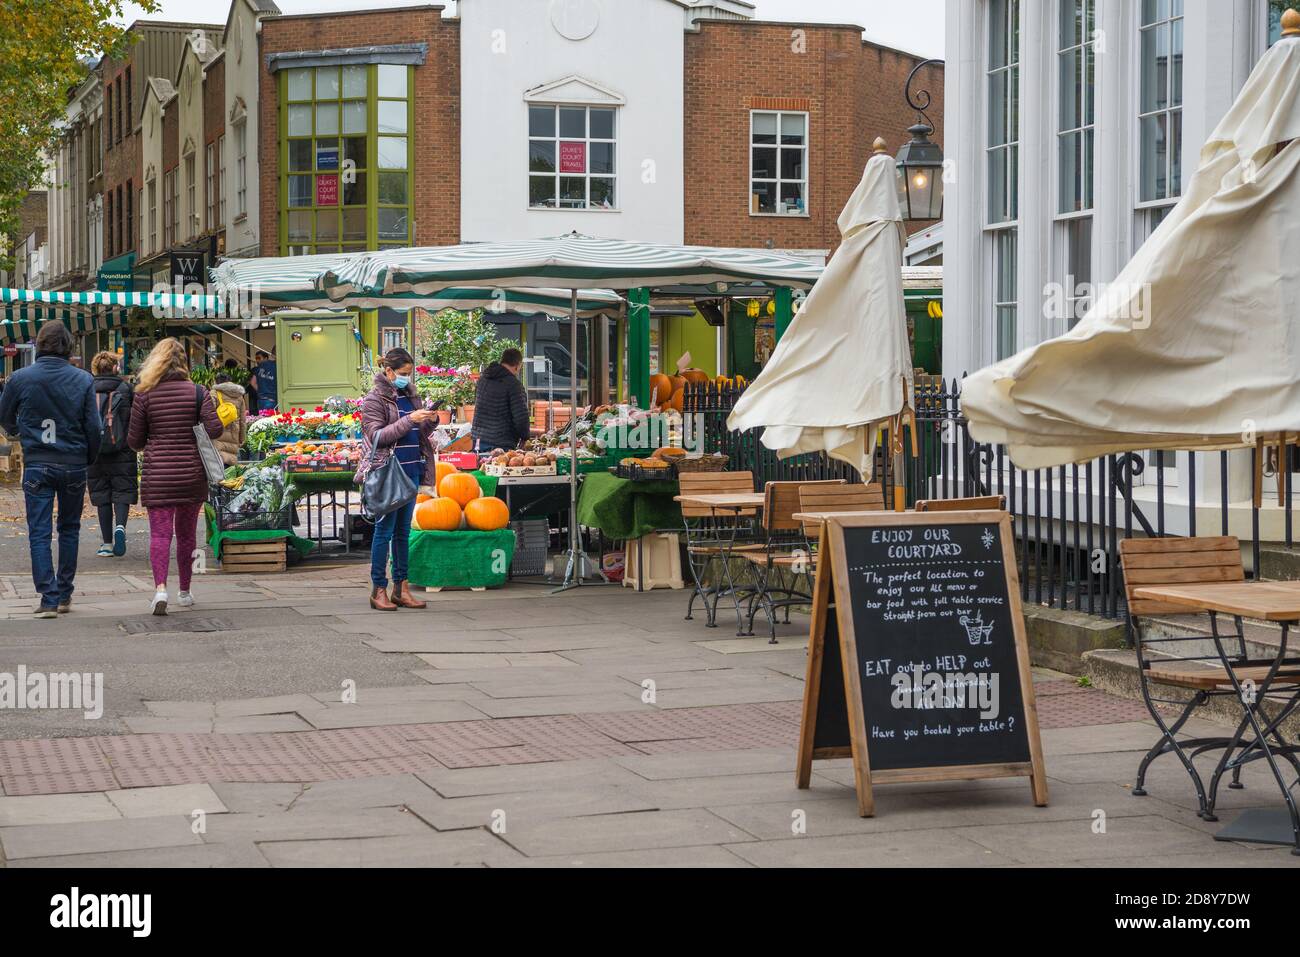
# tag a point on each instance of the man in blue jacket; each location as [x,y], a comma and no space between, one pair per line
[50,408]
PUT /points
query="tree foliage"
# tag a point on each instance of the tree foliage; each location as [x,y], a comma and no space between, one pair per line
[452,339]
[45,46]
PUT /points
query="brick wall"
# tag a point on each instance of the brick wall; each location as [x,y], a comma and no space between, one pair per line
[852,90]
[214,125]
[121,156]
[436,201]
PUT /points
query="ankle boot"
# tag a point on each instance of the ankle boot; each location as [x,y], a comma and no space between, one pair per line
[402,597]
[379,601]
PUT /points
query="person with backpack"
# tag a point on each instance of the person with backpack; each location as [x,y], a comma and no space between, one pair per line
[232,410]
[174,486]
[113,476]
[50,407]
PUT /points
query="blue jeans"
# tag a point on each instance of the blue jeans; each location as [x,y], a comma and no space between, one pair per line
[394,530]
[43,485]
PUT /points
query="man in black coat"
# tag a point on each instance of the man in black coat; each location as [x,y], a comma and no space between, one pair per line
[501,405]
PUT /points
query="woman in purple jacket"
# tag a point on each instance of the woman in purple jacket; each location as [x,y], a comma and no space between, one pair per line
[174,484]
[393,424]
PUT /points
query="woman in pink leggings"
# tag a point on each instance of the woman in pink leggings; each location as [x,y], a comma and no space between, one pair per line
[174,485]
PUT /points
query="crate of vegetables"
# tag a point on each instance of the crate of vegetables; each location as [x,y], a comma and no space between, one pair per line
[520,463]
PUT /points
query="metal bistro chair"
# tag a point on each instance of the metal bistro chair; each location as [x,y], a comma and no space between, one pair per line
[1149,562]
[784,546]
[711,538]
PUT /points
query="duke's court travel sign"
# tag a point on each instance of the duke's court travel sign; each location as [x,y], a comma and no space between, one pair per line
[918,667]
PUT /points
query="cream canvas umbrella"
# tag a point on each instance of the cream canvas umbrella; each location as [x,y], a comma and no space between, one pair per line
[1195,345]
[844,365]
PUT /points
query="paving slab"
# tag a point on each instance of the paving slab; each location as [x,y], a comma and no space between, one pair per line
[916,848]
[458,782]
[53,840]
[413,712]
[624,832]
[452,849]
[197,855]
[334,823]
[503,812]
[57,809]
[489,660]
[182,799]
[256,798]
[665,767]
[676,857]
[1134,837]
[386,791]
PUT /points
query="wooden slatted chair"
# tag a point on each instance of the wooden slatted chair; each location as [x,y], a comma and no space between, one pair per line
[981,503]
[784,542]
[1148,562]
[833,498]
[710,536]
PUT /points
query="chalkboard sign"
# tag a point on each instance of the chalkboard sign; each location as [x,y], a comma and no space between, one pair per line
[920,669]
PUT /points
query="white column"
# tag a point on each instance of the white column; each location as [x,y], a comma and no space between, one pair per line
[967,325]
[1037,188]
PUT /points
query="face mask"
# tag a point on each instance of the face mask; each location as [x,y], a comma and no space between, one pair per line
[402,382]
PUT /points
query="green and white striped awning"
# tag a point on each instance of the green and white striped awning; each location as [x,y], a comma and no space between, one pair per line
[270,283]
[24,311]
[530,268]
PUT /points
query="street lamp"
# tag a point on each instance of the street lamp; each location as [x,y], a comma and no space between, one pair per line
[920,162]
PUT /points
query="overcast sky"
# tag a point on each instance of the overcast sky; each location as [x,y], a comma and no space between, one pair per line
[913,25]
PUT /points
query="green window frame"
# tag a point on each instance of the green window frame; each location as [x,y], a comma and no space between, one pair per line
[352,124]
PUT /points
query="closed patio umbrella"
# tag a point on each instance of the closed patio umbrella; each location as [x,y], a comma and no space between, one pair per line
[1195,344]
[844,364]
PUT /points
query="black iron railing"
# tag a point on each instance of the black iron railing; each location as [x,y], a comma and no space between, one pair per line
[1069,520]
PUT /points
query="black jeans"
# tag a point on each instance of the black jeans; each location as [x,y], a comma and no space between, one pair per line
[111,516]
[43,487]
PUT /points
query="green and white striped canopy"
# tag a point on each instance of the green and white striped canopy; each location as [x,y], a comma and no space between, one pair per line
[294,280]
[24,311]
[390,276]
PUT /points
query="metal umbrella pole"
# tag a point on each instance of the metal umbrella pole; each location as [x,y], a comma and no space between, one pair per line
[577,565]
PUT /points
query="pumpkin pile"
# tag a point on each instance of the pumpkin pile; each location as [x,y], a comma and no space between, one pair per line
[458,503]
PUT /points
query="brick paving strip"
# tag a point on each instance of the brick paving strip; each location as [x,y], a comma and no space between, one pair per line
[69,765]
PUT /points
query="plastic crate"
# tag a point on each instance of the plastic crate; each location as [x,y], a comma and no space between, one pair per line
[229,520]
[532,546]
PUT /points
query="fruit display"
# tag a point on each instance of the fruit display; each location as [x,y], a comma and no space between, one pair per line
[522,462]
[306,456]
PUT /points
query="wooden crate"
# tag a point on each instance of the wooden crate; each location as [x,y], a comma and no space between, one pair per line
[242,558]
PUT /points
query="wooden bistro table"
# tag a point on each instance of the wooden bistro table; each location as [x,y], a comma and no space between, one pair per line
[1251,679]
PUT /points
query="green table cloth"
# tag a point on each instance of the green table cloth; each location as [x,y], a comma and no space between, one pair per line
[216,538]
[623,509]
[460,559]
[487,483]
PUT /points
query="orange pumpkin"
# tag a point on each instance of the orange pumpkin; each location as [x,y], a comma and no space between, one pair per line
[661,387]
[487,514]
[438,515]
[442,470]
[679,382]
[695,376]
[422,498]
[679,400]
[460,487]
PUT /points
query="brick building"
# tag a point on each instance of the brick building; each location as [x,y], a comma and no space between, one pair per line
[359,135]
[742,73]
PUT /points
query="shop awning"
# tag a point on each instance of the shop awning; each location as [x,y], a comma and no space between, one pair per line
[118,274]
[24,311]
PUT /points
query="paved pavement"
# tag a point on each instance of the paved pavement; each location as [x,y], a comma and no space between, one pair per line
[282,723]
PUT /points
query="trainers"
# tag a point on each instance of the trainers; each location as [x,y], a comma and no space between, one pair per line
[159,604]
[105,551]
[185,600]
[119,541]
[64,607]
[45,611]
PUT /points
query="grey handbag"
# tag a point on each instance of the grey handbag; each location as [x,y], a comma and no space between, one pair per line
[212,464]
[386,488]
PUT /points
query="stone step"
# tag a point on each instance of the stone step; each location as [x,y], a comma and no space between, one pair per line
[1115,670]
